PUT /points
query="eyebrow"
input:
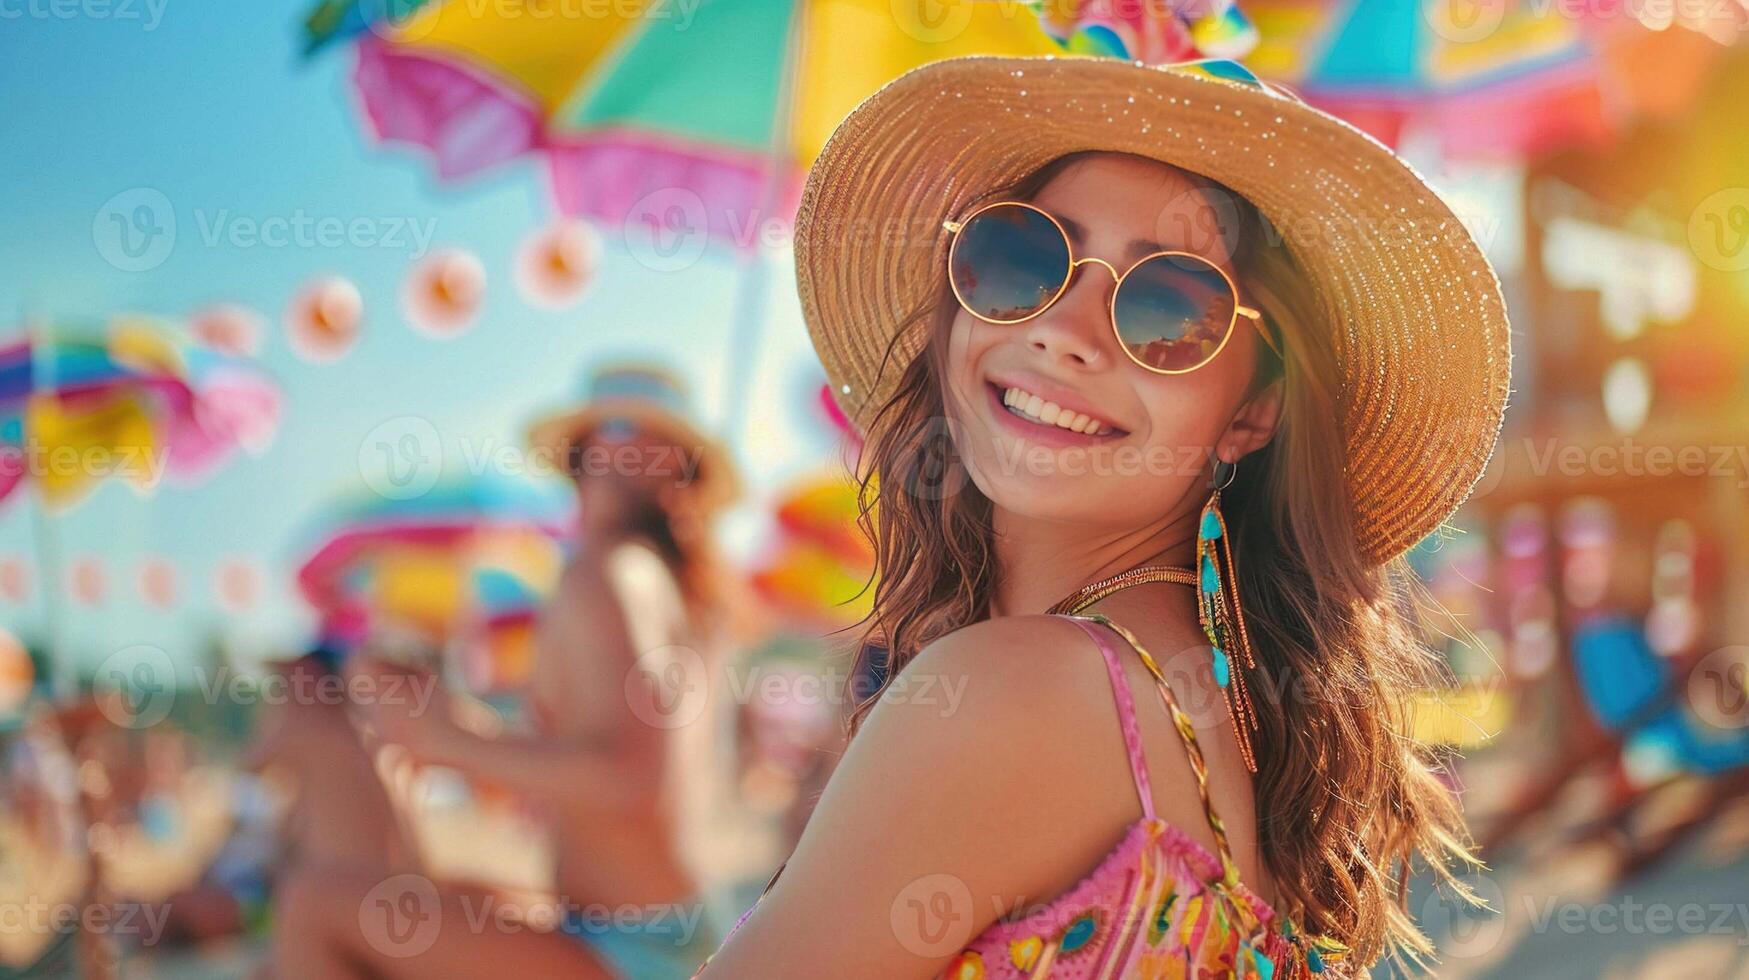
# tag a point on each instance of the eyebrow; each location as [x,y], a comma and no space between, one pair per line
[1136,248]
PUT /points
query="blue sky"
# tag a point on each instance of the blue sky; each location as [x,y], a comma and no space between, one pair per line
[209,105]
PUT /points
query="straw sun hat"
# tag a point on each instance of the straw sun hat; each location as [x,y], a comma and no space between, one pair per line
[655,400]
[1421,326]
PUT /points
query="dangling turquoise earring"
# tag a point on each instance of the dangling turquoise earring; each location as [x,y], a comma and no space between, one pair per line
[1218,608]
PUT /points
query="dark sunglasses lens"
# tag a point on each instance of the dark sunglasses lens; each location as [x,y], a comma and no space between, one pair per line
[1008,262]
[1174,312]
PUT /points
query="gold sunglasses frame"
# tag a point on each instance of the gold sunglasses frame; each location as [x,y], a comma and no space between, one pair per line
[1239,309]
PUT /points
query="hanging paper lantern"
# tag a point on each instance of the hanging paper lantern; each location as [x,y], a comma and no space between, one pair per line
[14,580]
[85,581]
[555,264]
[17,674]
[323,319]
[228,328]
[158,582]
[238,585]
[443,293]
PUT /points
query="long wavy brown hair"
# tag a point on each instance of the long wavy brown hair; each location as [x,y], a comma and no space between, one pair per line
[1350,800]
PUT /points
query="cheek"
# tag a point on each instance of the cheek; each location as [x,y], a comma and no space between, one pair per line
[1192,410]
[968,340]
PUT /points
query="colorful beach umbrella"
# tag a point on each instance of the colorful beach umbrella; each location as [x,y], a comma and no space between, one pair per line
[724,116]
[817,572]
[466,563]
[475,86]
[131,398]
[1500,79]
[726,102]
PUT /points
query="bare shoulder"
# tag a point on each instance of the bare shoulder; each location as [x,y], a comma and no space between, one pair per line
[1001,674]
[1017,702]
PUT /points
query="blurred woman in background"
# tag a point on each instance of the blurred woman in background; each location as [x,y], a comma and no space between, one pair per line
[621,684]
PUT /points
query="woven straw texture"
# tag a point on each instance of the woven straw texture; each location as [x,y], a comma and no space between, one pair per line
[1422,340]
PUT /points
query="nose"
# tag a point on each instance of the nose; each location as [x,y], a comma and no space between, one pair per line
[1075,328]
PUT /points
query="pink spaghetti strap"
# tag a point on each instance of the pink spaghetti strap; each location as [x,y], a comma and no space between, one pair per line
[1193,751]
[1126,713]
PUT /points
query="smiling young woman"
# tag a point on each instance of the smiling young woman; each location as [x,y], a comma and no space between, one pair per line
[1139,470]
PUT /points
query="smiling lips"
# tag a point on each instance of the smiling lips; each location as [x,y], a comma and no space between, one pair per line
[1035,409]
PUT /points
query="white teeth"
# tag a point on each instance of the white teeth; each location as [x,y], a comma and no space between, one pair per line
[1038,410]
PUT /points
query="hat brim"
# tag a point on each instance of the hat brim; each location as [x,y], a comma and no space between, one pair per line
[1421,330]
[718,484]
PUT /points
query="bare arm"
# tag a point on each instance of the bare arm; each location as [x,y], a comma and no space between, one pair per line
[960,800]
[593,749]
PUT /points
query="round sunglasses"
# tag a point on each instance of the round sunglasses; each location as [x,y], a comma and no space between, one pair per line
[1172,311]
